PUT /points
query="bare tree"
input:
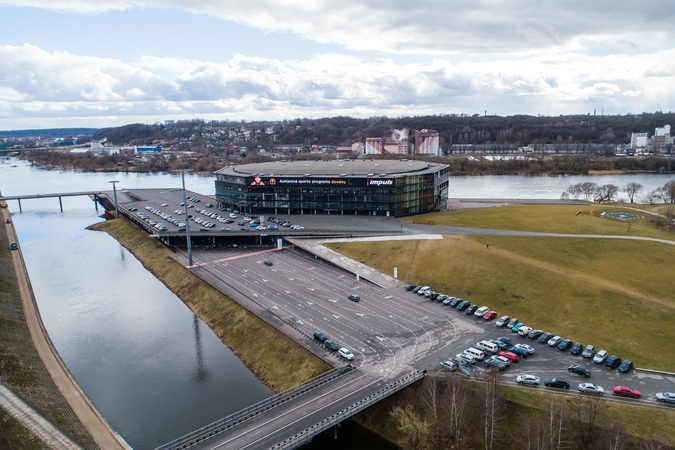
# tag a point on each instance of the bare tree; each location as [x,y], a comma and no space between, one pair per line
[632,190]
[668,191]
[652,197]
[614,438]
[490,405]
[415,431]
[431,399]
[605,193]
[455,400]
[532,433]
[585,412]
[653,444]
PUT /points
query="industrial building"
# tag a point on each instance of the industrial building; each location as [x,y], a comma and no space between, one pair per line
[356,187]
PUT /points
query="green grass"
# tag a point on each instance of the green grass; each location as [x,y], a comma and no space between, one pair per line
[614,294]
[273,357]
[558,219]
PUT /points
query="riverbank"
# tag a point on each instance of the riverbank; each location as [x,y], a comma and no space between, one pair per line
[28,364]
[275,359]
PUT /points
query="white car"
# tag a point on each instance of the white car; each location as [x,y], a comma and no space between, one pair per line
[524,330]
[262,228]
[480,312]
[468,358]
[423,290]
[504,360]
[591,388]
[554,341]
[346,354]
[233,216]
[525,347]
[527,379]
[600,357]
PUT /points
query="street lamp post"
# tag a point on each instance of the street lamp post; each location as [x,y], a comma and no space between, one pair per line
[185,211]
[117,210]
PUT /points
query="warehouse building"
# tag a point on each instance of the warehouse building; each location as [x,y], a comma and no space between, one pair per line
[360,187]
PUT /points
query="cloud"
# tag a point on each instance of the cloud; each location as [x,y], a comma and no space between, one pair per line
[424,26]
[39,85]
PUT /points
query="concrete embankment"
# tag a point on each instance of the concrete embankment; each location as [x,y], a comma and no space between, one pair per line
[36,372]
[273,357]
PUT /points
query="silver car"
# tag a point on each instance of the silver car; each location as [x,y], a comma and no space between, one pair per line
[591,388]
[527,379]
[665,397]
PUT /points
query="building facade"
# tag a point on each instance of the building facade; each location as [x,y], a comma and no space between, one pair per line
[382,188]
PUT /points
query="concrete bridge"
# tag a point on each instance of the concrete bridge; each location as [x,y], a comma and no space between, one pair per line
[97,196]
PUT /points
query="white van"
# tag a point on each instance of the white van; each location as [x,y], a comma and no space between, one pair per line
[478,354]
[488,346]
[480,312]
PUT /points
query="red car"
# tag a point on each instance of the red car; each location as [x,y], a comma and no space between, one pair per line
[509,355]
[489,315]
[625,391]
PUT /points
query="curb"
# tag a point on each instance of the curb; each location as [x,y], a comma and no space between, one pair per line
[660,372]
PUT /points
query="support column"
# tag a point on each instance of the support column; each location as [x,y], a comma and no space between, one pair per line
[19,200]
[335,428]
[60,204]
[96,202]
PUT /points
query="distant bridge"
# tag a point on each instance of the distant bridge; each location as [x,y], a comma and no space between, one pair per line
[96,195]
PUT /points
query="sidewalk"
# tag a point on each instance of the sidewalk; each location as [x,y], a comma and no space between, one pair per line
[81,405]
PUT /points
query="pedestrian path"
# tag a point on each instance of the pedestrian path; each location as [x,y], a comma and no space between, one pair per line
[40,427]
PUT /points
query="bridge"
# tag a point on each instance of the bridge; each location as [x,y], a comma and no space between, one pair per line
[96,195]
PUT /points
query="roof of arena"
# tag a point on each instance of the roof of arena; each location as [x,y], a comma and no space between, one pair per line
[334,168]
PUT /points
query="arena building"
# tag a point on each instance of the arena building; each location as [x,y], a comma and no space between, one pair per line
[382,188]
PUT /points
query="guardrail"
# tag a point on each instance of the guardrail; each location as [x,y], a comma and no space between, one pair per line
[349,411]
[253,410]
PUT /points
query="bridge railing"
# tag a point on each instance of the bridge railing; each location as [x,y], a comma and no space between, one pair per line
[349,411]
[252,411]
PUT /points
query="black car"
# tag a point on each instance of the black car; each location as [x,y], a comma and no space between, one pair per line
[505,340]
[579,370]
[268,262]
[462,306]
[455,302]
[500,344]
[565,345]
[354,298]
[626,366]
[471,309]
[577,348]
[560,383]
[613,362]
[494,363]
[521,352]
[544,338]
[434,296]
[410,287]
[534,334]
[417,288]
[332,346]
[319,336]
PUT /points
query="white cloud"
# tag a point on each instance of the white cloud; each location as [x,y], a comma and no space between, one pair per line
[423,26]
[38,85]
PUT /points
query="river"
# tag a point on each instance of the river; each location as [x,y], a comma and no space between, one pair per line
[152,368]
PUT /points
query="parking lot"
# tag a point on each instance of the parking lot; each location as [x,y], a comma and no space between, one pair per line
[392,330]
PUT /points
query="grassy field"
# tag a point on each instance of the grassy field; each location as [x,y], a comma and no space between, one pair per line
[614,294]
[558,219]
[273,357]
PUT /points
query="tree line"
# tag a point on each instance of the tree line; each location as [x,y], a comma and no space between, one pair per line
[445,411]
[606,193]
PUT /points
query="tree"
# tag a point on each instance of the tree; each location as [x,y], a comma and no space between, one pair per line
[605,193]
[454,400]
[632,190]
[668,191]
[414,429]
[614,438]
[491,406]
[585,412]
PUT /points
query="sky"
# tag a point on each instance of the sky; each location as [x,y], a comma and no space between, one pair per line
[101,63]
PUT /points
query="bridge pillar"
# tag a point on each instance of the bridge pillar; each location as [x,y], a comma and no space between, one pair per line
[19,200]
[96,202]
[335,435]
[60,204]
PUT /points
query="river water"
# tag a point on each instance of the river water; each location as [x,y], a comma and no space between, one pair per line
[152,368]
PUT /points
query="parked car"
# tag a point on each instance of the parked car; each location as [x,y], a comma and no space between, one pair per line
[502,321]
[423,289]
[560,383]
[504,360]
[534,334]
[492,362]
[346,354]
[268,262]
[462,306]
[591,388]
[448,300]
[466,357]
[455,302]
[516,327]
[319,336]
[577,348]
[489,315]
[410,287]
[332,346]
[502,345]
[510,356]
[588,352]
[480,312]
[613,362]
[521,352]
[512,323]
[450,365]
[565,344]
[579,370]
[13,246]
[417,289]
[626,391]
[600,357]
[505,340]
[354,298]
[529,349]
[471,309]
[544,338]
[527,379]
[665,397]
[626,366]
[554,341]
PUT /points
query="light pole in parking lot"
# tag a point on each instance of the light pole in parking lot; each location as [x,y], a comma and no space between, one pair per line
[117,210]
[187,219]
